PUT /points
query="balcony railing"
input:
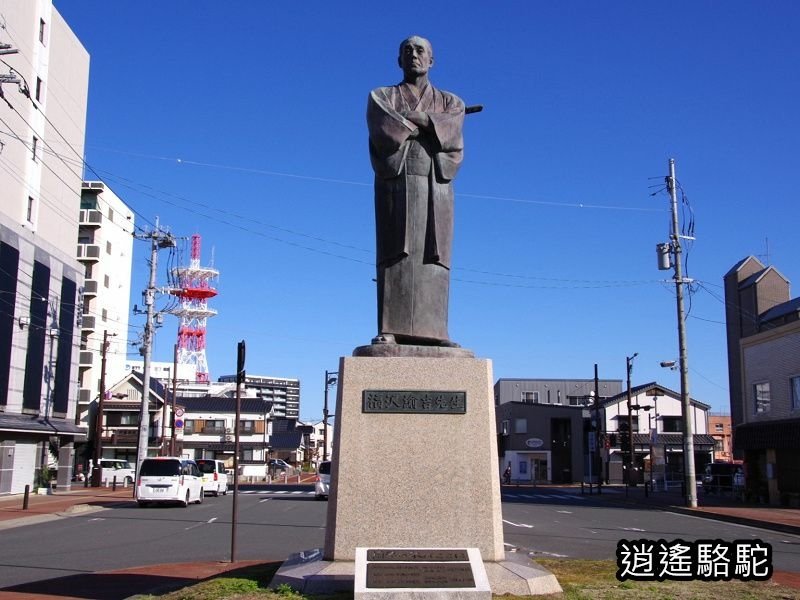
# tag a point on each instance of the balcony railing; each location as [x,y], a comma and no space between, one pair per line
[213,430]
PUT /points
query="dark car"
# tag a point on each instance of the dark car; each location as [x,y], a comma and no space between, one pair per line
[719,477]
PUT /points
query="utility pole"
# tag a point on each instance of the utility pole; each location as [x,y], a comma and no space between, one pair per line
[158,239]
[631,454]
[172,397]
[688,427]
[240,378]
[330,379]
[97,471]
[597,431]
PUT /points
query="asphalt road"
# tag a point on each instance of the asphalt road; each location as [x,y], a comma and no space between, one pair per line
[276,523]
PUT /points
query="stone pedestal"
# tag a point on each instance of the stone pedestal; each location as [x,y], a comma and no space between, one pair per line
[414,479]
[411,479]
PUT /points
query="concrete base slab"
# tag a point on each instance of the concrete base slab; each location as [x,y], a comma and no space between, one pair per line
[308,573]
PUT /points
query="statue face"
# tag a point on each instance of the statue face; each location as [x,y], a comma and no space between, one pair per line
[416,56]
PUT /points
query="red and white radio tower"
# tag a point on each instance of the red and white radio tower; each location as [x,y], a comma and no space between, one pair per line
[195,288]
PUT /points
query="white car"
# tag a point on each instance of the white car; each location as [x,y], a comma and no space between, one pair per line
[215,479]
[322,482]
[116,468]
[169,479]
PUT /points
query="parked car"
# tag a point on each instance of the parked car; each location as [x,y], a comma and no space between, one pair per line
[322,482]
[169,479]
[121,469]
[215,478]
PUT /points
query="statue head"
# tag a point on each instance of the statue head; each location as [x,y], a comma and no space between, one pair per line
[416,56]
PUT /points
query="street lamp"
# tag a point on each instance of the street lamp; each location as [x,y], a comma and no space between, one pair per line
[331,377]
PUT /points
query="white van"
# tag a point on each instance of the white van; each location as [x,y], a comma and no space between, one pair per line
[169,479]
[116,468]
[215,479]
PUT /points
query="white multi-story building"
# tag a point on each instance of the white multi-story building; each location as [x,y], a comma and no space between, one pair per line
[282,392]
[41,141]
[105,249]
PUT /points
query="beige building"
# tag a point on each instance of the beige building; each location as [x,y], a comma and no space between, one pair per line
[42,136]
[763,328]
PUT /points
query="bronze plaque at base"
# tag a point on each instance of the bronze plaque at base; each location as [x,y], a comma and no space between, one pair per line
[419,575]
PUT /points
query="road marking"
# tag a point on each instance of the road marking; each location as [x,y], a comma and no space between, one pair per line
[565,512]
[518,524]
[195,525]
[264,500]
[631,529]
[97,519]
[211,520]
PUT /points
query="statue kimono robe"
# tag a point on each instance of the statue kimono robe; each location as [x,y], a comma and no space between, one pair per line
[414,169]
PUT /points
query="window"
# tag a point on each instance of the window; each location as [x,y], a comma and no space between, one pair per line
[34,148]
[520,425]
[523,467]
[105,314]
[558,396]
[41,30]
[110,214]
[188,427]
[30,209]
[530,397]
[106,281]
[762,397]
[672,424]
[504,428]
[794,383]
[247,454]
[214,426]
[108,247]
[129,419]
[39,85]
[718,427]
[247,427]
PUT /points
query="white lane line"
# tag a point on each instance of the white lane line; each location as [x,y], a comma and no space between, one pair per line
[211,520]
[518,524]
[97,519]
[264,500]
[631,529]
[565,512]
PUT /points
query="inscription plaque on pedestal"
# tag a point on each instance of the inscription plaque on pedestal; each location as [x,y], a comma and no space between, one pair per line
[413,401]
[393,572]
[419,575]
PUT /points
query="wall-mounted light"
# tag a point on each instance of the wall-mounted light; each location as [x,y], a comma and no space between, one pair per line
[24,321]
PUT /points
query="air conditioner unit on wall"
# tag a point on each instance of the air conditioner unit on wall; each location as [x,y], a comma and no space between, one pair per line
[228,430]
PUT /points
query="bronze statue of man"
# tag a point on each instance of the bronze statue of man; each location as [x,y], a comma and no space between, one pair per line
[416,147]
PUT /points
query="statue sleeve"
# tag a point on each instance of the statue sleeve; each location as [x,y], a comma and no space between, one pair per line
[388,132]
[448,128]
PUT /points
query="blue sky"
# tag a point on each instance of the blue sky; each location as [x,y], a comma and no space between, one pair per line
[244,122]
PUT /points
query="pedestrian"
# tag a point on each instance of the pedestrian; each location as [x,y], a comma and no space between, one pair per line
[507,475]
